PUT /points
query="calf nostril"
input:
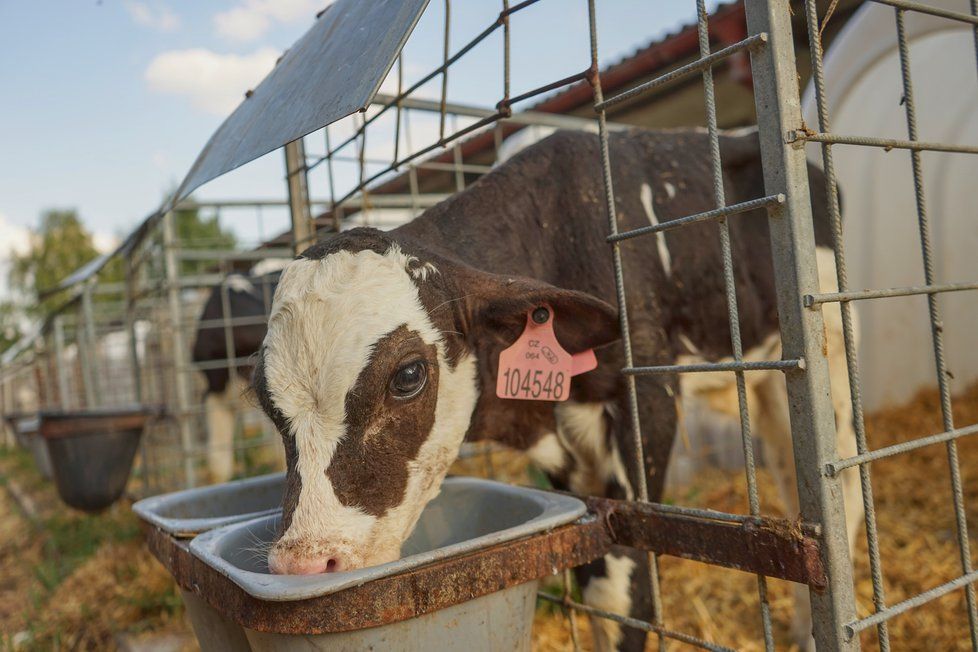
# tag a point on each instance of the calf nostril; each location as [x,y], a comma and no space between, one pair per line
[332,566]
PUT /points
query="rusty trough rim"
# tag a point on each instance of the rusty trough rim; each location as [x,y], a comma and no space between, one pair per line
[772,547]
[71,423]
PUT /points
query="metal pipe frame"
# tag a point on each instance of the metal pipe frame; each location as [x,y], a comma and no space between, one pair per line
[180,351]
[811,414]
[932,290]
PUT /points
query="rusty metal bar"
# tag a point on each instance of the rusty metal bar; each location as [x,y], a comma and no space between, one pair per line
[765,546]
[390,599]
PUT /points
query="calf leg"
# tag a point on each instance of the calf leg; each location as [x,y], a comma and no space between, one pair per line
[220,412]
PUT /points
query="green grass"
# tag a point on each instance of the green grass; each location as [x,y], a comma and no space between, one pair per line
[71,539]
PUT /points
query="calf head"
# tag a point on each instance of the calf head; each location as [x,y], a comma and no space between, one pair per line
[380,356]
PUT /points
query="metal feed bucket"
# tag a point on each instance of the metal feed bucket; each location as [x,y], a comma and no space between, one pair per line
[92,452]
[467,516]
[222,579]
[185,514]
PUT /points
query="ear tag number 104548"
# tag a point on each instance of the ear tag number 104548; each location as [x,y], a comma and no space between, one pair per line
[536,367]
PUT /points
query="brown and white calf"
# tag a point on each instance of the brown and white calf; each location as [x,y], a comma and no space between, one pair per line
[382,348]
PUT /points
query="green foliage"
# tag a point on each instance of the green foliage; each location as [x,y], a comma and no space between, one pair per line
[58,247]
[193,231]
[9,325]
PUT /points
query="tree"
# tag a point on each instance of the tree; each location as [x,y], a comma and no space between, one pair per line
[9,325]
[196,232]
[59,246]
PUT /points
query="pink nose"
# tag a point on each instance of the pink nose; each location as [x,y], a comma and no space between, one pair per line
[295,565]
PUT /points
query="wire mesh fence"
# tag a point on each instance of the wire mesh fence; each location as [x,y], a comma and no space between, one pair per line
[413,148]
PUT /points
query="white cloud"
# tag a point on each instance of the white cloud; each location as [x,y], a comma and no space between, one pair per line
[213,82]
[104,243]
[14,239]
[252,18]
[160,18]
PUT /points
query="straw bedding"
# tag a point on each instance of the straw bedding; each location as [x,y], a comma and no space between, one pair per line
[918,544]
[81,601]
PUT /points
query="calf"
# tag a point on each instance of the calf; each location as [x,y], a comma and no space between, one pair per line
[382,349]
[243,302]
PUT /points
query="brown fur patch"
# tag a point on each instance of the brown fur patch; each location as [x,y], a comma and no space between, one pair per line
[369,469]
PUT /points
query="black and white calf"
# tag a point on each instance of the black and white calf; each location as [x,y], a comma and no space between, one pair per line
[241,301]
[382,349]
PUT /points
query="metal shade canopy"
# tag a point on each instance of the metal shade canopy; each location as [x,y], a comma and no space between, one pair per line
[334,70]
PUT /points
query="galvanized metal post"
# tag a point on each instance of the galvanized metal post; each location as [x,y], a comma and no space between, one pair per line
[59,355]
[181,362]
[137,380]
[87,349]
[44,366]
[778,104]
[303,232]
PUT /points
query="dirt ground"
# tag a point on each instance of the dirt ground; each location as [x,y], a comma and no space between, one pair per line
[69,581]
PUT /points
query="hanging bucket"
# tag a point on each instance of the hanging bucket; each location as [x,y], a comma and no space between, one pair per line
[92,452]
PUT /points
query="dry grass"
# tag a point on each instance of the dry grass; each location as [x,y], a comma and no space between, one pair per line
[72,581]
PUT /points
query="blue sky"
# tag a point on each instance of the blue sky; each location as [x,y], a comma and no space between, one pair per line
[106,103]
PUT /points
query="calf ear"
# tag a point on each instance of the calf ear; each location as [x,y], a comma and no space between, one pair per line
[497,308]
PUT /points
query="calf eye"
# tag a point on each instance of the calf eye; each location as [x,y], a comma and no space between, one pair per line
[409,380]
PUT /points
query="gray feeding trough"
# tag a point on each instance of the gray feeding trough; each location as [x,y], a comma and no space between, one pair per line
[468,515]
[234,602]
[91,452]
[185,514]
[25,427]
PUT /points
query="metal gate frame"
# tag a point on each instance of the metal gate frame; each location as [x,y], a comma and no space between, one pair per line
[778,103]
[804,360]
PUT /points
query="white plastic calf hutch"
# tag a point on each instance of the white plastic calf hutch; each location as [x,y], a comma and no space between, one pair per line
[863,91]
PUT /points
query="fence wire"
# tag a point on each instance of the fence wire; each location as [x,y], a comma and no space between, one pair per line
[168,283]
[931,289]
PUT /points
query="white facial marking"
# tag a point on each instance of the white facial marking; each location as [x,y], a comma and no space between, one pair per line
[610,593]
[670,190]
[412,264]
[660,237]
[327,316]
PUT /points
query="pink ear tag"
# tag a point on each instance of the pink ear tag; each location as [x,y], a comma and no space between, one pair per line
[536,367]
